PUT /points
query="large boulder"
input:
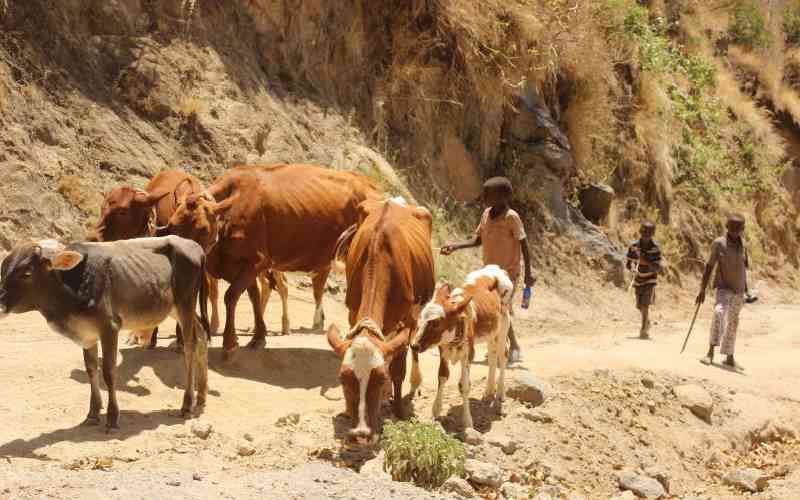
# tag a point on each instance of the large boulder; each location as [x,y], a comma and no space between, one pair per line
[596,202]
[484,474]
[642,486]
[752,480]
[696,399]
[526,388]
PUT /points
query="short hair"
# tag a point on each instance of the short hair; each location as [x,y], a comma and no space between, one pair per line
[648,224]
[736,218]
[500,184]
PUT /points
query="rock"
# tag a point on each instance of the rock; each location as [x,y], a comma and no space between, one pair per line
[527,389]
[696,399]
[505,443]
[596,202]
[173,482]
[473,437]
[659,475]
[648,382]
[513,491]
[625,495]
[374,466]
[576,496]
[290,419]
[201,429]
[249,437]
[197,476]
[459,487]
[642,486]
[538,415]
[245,449]
[752,480]
[651,405]
[771,432]
[483,474]
[542,496]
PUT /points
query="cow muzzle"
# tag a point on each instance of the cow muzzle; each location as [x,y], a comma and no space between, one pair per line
[361,436]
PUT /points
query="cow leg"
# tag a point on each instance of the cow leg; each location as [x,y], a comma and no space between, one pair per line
[463,385]
[213,297]
[491,360]
[319,280]
[397,371]
[178,338]
[265,279]
[259,339]
[108,341]
[503,330]
[444,374]
[201,357]
[416,374]
[153,339]
[232,295]
[283,291]
[186,320]
[95,400]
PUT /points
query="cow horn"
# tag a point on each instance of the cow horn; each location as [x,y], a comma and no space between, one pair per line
[338,345]
[400,341]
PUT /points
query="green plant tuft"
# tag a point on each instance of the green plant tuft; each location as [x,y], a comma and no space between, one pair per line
[791,25]
[749,26]
[421,453]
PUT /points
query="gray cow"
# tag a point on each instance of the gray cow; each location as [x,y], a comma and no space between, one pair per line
[90,291]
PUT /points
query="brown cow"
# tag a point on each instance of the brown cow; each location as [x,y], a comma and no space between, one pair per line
[283,218]
[195,219]
[129,213]
[389,277]
[456,320]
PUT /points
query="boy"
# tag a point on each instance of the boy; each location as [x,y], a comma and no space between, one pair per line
[729,256]
[502,236]
[646,253]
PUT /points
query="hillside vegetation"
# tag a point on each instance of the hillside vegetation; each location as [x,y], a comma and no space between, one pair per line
[687,108]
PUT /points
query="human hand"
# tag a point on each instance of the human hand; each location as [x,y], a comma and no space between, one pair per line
[447,249]
[530,278]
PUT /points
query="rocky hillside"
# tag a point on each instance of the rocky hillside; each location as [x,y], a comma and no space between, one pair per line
[686,108]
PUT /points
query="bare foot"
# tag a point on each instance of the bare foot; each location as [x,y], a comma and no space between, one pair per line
[707,360]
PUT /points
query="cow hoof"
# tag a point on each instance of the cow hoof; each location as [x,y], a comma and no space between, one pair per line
[92,421]
[257,343]
[112,429]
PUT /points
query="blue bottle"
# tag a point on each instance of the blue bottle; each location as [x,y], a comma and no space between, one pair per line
[526,297]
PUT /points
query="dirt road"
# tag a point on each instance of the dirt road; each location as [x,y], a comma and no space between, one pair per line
[258,397]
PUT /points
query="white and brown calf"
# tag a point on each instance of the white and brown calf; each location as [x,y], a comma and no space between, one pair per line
[457,319]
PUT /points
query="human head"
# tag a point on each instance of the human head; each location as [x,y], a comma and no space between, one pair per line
[497,191]
[647,230]
[735,225]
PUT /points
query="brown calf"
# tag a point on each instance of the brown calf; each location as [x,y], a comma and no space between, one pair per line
[390,275]
[456,320]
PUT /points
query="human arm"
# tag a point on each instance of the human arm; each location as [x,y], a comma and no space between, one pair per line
[710,265]
[530,277]
[452,247]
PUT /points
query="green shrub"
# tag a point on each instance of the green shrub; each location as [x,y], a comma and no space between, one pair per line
[749,26]
[421,453]
[791,25]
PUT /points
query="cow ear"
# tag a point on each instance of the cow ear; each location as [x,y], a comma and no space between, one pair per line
[443,292]
[400,341]
[66,260]
[422,214]
[338,345]
[149,199]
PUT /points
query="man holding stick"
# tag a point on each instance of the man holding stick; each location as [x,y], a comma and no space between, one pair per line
[729,257]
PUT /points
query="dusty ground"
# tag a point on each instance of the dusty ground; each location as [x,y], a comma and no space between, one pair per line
[600,418]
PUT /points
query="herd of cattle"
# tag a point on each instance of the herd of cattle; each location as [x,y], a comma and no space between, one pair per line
[159,252]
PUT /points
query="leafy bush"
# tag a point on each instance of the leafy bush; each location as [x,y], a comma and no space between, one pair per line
[791,25]
[749,26]
[421,453]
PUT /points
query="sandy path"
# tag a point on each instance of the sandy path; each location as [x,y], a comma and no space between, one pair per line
[44,396]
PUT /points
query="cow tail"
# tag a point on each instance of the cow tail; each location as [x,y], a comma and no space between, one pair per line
[342,247]
[203,298]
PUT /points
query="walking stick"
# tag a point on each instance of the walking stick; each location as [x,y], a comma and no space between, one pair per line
[697,310]
[635,271]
